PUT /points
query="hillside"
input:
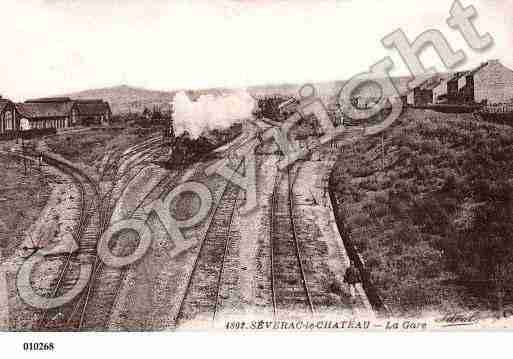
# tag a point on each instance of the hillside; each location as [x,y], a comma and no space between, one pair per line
[124,99]
[327,91]
[430,211]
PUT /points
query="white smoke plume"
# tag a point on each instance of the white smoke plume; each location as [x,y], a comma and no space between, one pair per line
[210,112]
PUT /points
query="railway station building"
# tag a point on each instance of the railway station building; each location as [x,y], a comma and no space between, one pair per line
[9,121]
[45,113]
[61,112]
[90,112]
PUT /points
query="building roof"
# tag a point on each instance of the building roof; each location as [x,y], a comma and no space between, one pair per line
[461,74]
[433,82]
[431,86]
[61,107]
[479,68]
[92,107]
[457,75]
[44,109]
[49,100]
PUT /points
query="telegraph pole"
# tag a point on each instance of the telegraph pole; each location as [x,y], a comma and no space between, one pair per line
[23,155]
[383,152]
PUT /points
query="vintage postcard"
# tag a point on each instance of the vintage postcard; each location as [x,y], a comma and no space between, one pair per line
[256,166]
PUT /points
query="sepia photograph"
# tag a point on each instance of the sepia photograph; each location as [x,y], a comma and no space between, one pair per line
[238,166]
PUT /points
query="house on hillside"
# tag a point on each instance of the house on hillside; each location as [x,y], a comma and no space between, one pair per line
[45,113]
[421,95]
[440,92]
[9,120]
[460,86]
[490,82]
[493,83]
[90,112]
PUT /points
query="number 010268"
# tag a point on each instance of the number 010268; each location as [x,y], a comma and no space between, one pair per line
[38,346]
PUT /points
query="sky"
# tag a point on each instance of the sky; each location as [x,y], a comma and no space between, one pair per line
[59,46]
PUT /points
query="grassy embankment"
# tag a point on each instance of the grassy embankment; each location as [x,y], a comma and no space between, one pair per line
[90,146]
[21,200]
[411,204]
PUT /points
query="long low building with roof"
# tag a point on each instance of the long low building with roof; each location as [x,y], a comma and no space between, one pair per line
[45,113]
[62,112]
[51,112]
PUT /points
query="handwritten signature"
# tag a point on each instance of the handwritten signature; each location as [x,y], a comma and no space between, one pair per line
[459,319]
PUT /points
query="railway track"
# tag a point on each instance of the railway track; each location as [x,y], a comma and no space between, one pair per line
[201,295]
[76,314]
[110,165]
[114,173]
[123,176]
[289,288]
[91,223]
[85,235]
[202,298]
[105,283]
[111,279]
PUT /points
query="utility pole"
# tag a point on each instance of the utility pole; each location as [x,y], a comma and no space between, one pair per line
[15,126]
[314,200]
[382,152]
[23,155]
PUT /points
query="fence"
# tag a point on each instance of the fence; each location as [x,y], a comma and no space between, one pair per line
[499,108]
[9,135]
[27,134]
[501,113]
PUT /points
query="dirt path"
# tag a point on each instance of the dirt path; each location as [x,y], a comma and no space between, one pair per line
[328,259]
[51,232]
[4,298]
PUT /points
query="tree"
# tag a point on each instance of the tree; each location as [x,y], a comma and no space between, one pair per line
[156,114]
[268,107]
[146,113]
